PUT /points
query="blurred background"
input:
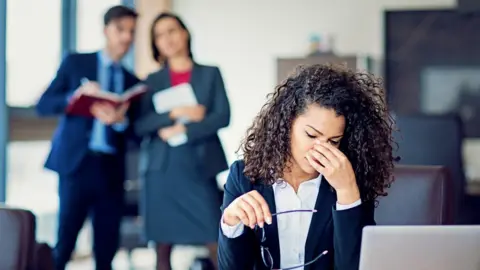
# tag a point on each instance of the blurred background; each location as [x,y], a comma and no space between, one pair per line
[428,51]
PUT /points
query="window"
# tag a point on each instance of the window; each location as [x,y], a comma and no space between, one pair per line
[90,23]
[32,187]
[33,48]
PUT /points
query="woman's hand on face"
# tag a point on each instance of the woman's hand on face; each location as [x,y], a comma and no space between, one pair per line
[250,209]
[336,169]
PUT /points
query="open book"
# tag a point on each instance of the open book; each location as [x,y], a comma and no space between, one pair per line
[81,105]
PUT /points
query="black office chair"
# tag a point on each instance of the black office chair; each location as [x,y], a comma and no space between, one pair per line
[437,140]
[420,195]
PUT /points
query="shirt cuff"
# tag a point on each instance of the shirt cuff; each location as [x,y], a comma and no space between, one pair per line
[178,140]
[341,207]
[120,127]
[231,231]
[69,96]
[183,120]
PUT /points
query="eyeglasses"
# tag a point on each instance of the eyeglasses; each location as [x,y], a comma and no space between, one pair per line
[267,256]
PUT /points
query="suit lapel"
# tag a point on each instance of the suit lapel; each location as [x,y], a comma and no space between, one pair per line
[163,79]
[324,203]
[271,231]
[325,200]
[196,82]
[90,71]
[91,67]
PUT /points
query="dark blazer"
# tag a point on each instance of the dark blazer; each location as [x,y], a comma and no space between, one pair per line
[71,138]
[207,153]
[339,232]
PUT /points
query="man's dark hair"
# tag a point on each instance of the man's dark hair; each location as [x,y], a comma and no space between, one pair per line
[118,12]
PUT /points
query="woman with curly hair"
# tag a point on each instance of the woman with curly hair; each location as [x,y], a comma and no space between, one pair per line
[314,162]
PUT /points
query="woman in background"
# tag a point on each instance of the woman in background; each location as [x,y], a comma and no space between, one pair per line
[181,153]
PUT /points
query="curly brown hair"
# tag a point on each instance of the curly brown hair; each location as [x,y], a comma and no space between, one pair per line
[358,96]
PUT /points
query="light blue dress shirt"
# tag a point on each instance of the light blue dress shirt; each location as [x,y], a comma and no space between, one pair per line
[98,140]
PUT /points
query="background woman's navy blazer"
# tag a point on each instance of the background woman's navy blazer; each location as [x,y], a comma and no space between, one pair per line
[339,232]
[209,89]
[180,197]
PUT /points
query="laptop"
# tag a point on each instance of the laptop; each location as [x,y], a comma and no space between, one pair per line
[420,248]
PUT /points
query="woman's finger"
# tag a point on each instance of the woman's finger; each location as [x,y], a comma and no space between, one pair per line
[335,151]
[314,164]
[240,214]
[259,219]
[248,209]
[267,215]
[320,158]
[327,153]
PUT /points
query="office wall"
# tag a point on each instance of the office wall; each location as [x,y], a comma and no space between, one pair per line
[148,10]
[245,37]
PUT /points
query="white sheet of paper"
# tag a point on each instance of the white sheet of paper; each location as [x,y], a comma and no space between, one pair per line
[176,96]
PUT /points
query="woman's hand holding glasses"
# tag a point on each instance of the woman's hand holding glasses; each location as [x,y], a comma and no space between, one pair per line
[251,209]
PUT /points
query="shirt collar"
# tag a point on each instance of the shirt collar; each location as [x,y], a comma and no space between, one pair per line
[106,60]
[316,181]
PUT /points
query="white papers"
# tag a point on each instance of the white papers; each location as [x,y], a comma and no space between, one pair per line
[176,96]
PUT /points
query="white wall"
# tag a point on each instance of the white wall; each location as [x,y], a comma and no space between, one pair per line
[244,37]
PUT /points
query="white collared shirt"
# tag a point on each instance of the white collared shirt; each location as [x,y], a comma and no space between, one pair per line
[292,228]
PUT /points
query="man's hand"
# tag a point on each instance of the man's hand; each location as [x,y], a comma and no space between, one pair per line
[108,114]
[86,89]
[194,113]
[169,132]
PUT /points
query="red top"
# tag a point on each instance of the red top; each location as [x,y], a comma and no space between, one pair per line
[177,78]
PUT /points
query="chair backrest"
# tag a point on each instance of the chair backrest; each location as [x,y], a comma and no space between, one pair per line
[17,239]
[434,140]
[420,195]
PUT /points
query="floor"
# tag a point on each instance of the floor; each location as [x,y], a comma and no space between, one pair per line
[144,259]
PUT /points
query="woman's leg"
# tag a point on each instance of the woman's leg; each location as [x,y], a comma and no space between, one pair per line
[163,256]
[212,249]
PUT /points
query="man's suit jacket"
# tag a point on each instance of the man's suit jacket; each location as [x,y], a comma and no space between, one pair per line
[70,141]
[207,150]
[339,232]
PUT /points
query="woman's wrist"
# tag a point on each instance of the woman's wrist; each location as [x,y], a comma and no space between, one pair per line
[348,195]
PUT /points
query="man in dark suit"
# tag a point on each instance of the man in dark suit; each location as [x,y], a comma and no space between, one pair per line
[89,153]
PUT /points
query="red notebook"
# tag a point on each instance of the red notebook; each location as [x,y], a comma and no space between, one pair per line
[81,105]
